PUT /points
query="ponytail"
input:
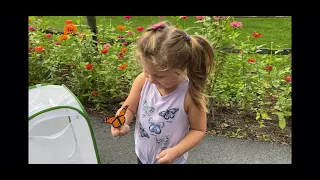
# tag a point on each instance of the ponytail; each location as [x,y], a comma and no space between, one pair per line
[199,68]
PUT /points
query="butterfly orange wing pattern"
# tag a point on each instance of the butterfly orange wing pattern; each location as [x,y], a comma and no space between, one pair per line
[118,121]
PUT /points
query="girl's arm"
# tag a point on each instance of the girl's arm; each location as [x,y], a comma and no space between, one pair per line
[198,126]
[133,98]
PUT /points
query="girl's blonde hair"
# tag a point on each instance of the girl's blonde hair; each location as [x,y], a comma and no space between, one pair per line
[168,47]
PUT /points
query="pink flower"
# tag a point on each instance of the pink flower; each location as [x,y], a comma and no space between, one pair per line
[200,18]
[161,17]
[160,24]
[127,17]
[130,32]
[236,24]
[106,46]
[58,43]
[48,35]
[216,23]
[183,17]
[32,28]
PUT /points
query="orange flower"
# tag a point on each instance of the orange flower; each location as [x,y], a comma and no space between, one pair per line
[68,21]
[123,50]
[63,37]
[252,60]
[39,48]
[120,27]
[122,67]
[70,28]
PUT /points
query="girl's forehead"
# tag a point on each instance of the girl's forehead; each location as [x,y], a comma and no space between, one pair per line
[154,70]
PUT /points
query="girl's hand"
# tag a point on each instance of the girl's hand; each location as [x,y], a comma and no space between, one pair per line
[167,156]
[123,130]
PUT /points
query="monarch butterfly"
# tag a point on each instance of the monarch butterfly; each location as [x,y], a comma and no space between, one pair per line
[117,121]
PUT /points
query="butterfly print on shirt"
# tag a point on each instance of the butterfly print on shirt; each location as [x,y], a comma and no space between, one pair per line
[147,110]
[143,133]
[168,114]
[155,127]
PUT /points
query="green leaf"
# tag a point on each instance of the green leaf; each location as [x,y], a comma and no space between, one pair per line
[265,115]
[258,115]
[206,24]
[282,123]
[103,72]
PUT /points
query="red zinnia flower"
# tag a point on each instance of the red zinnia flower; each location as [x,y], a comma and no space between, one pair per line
[288,79]
[104,50]
[256,35]
[127,17]
[95,93]
[140,28]
[48,35]
[89,66]
[268,68]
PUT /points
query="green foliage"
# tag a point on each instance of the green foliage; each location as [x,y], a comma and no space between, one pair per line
[249,80]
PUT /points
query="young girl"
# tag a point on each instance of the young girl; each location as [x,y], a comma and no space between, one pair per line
[167,97]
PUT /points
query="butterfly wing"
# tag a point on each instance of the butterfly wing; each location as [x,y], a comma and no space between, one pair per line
[150,110]
[157,130]
[166,140]
[109,120]
[118,120]
[164,114]
[143,133]
[151,127]
[123,111]
[116,123]
[172,112]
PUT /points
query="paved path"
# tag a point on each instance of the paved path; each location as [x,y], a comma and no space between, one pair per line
[212,149]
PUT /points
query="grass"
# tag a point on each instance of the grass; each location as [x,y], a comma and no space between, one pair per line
[276,30]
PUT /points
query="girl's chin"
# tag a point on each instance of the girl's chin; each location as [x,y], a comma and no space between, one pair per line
[159,86]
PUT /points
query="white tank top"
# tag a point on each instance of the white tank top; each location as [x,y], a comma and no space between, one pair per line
[161,122]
